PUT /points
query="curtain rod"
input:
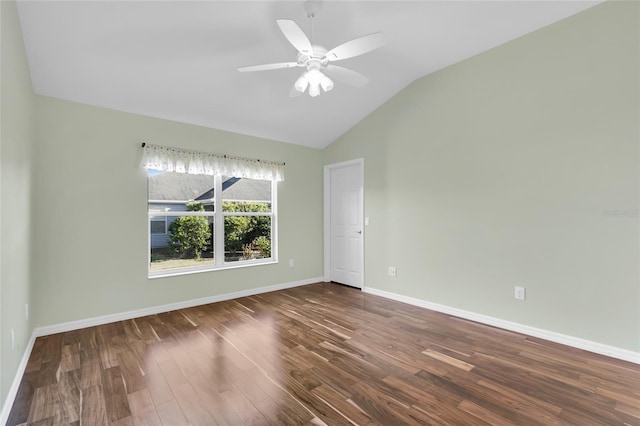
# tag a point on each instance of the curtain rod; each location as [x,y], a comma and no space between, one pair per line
[224,155]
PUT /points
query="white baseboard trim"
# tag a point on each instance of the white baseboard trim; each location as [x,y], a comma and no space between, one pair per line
[13,389]
[587,345]
[122,316]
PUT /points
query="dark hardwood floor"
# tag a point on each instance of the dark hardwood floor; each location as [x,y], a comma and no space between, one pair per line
[318,354]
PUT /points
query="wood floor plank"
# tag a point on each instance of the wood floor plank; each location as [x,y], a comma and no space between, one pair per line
[243,408]
[92,407]
[191,406]
[483,414]
[171,414]
[449,360]
[105,335]
[284,413]
[131,372]
[143,410]
[313,355]
[246,382]
[37,352]
[383,407]
[45,405]
[633,411]
[221,412]
[172,373]
[90,374]
[115,394]
[158,387]
[342,405]
[69,393]
[24,399]
[88,345]
[125,421]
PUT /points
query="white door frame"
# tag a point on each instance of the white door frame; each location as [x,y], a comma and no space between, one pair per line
[327,216]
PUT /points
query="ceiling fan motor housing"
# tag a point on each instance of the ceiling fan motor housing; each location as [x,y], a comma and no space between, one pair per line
[318,56]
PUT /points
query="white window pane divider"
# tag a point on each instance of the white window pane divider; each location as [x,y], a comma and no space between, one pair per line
[218,224]
[247,213]
[178,214]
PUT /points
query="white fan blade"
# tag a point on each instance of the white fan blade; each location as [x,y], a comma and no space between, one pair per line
[267,67]
[296,36]
[347,76]
[357,46]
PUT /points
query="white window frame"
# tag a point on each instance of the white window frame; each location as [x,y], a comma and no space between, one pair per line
[218,234]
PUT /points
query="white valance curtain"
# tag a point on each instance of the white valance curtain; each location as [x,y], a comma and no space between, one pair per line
[204,163]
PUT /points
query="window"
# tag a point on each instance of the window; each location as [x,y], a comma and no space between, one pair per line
[246,208]
[158,225]
[202,222]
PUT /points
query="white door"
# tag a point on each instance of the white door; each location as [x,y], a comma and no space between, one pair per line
[346,232]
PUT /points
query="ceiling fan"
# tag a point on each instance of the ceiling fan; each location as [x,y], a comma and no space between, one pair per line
[318,61]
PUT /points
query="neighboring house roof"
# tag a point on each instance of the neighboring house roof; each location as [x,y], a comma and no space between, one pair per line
[184,187]
[246,189]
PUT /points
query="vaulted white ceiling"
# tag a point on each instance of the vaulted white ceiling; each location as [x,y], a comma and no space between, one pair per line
[177,59]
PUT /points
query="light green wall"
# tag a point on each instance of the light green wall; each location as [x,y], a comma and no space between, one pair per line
[499,172]
[91,224]
[16,138]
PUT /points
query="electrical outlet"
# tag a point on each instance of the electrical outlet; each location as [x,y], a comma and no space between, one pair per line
[392,271]
[366,221]
[13,339]
[291,263]
[520,293]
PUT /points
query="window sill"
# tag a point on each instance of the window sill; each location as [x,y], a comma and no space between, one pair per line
[197,270]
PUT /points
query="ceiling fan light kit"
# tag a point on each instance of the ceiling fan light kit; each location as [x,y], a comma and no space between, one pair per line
[316,59]
[314,79]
